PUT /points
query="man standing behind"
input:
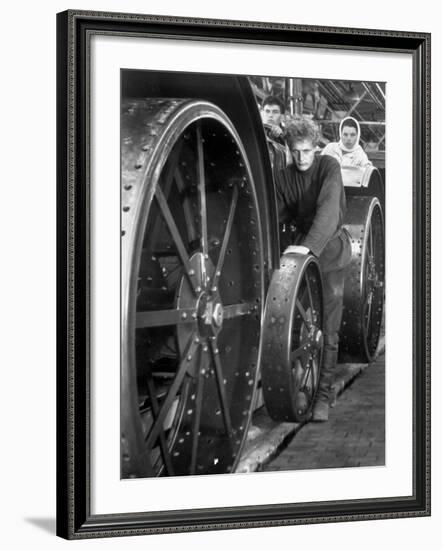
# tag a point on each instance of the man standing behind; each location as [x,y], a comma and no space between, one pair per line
[311,196]
[272,113]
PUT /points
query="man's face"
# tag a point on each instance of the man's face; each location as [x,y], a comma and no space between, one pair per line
[271,114]
[303,154]
[349,136]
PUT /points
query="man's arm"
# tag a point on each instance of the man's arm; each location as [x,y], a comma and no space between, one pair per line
[326,221]
[282,181]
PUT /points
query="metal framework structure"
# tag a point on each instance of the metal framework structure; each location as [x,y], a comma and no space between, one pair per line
[329,101]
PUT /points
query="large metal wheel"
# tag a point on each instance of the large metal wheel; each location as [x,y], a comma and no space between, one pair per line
[364,284]
[193,289]
[292,339]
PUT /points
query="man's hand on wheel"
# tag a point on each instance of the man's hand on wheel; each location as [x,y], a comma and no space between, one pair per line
[295,249]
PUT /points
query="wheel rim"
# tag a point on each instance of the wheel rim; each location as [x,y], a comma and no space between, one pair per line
[372,281]
[292,339]
[191,315]
[364,284]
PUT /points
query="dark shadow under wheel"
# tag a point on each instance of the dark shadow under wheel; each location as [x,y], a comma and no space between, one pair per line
[192,289]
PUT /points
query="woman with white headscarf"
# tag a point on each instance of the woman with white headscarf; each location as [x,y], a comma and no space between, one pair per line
[347,150]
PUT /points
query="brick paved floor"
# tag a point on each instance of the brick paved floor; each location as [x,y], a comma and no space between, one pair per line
[354,434]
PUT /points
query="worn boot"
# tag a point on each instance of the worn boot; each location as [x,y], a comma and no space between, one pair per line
[322,404]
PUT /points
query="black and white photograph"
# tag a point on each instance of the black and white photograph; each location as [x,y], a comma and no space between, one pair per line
[243,306]
[252,273]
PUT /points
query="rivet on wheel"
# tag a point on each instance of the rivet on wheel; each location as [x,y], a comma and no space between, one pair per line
[191,272]
[198,289]
[184,315]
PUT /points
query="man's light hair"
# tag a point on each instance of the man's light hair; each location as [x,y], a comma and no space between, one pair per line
[300,129]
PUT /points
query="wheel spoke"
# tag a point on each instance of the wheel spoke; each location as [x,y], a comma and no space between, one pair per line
[192,232]
[303,313]
[155,408]
[170,172]
[228,230]
[221,388]
[307,371]
[168,179]
[309,292]
[197,420]
[314,373]
[298,369]
[202,191]
[237,310]
[171,394]
[300,355]
[161,318]
[173,229]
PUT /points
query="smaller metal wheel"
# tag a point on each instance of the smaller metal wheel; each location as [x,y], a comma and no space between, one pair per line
[364,283]
[292,339]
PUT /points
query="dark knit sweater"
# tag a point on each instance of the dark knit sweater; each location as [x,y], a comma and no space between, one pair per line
[314,201]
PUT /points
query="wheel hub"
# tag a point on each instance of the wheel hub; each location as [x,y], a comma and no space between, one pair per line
[210,314]
[203,298]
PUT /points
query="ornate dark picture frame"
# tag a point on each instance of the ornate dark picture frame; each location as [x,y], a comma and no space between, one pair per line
[74,32]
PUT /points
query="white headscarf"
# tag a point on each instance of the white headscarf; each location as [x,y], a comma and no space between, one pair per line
[341,125]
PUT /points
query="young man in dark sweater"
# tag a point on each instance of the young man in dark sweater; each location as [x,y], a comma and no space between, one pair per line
[311,196]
